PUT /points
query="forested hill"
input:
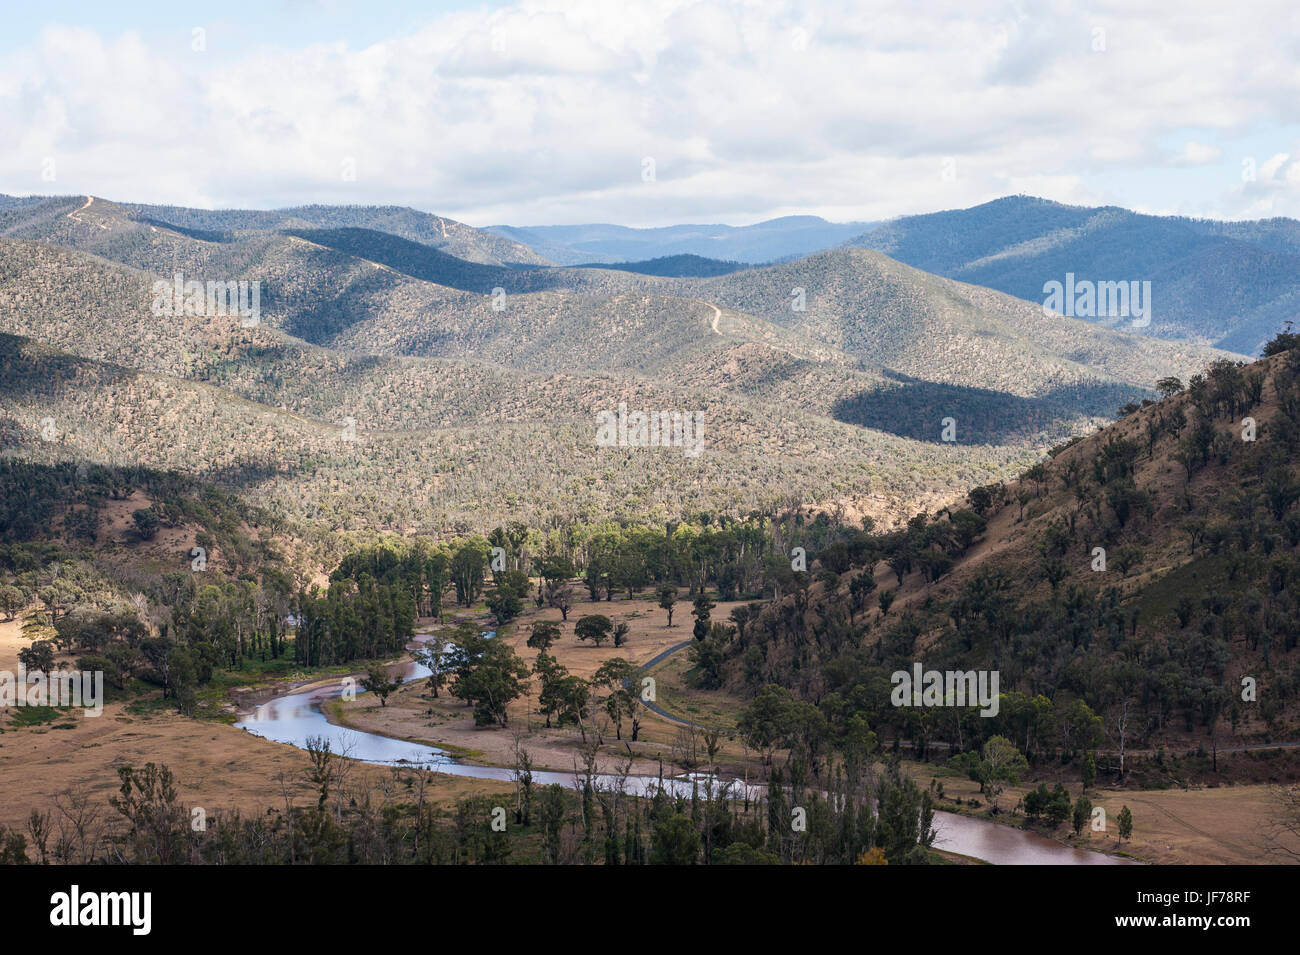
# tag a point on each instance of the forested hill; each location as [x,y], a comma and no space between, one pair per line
[1142,573]
[473,383]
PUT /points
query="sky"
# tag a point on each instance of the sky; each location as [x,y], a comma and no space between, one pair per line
[657,112]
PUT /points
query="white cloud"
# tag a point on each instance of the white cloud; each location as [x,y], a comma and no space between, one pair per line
[544,111]
[1271,167]
[1199,154]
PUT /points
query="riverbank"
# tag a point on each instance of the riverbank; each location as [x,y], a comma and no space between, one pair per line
[1163,832]
[216,766]
[297,716]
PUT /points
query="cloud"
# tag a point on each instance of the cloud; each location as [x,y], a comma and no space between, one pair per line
[544,111]
[1199,154]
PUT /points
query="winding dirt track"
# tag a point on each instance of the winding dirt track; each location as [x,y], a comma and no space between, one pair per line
[717,314]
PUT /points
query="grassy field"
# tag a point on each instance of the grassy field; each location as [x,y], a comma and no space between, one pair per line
[412,712]
[1226,825]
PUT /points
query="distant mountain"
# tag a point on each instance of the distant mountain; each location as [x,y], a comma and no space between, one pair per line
[672,266]
[1228,284]
[770,241]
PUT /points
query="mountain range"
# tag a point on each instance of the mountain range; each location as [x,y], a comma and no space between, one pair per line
[466,374]
[1232,285]
[1228,284]
[768,241]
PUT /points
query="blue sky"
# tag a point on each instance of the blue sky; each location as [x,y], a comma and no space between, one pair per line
[286,23]
[542,111]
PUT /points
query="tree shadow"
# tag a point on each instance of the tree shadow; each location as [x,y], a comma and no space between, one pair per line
[916,409]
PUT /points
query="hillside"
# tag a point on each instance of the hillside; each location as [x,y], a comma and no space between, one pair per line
[445,235]
[510,461]
[1198,590]
[1228,284]
[476,406]
[904,319]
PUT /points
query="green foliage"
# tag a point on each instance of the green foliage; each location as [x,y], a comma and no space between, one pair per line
[594,627]
[1125,821]
[488,675]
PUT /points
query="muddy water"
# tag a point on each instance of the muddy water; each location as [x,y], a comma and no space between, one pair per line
[295,717]
[1003,845]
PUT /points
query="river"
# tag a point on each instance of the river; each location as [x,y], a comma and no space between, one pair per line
[297,716]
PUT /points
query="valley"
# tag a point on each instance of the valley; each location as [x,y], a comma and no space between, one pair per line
[245,519]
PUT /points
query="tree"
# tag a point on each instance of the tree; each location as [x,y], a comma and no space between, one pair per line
[1286,340]
[905,818]
[706,658]
[55,598]
[489,676]
[1002,764]
[1081,729]
[1126,557]
[1168,387]
[980,499]
[543,634]
[674,842]
[39,656]
[667,598]
[377,681]
[150,802]
[620,634]
[1125,820]
[1082,814]
[468,565]
[430,656]
[1059,806]
[552,816]
[741,616]
[568,697]
[860,589]
[560,597]
[550,700]
[11,600]
[505,603]
[703,608]
[183,677]
[594,627]
[616,675]
[555,569]
[1088,770]
[967,527]
[767,720]
[147,522]
[1284,822]
[1036,800]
